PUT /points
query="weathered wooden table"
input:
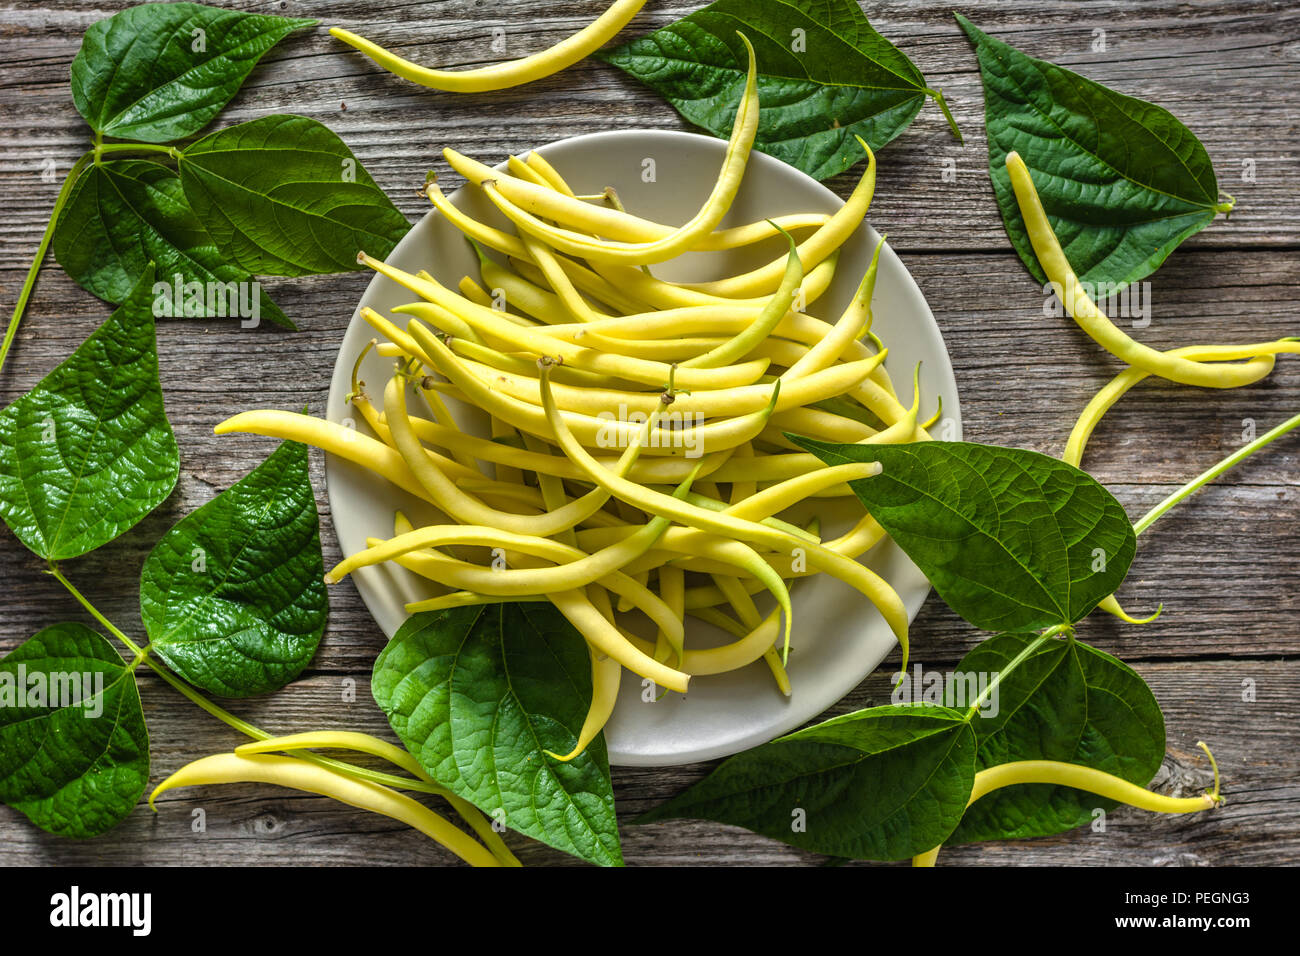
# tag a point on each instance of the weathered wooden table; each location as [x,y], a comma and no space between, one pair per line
[1226,565]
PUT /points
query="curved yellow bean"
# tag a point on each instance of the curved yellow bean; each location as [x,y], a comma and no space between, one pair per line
[750,621]
[1081,778]
[536,161]
[672,588]
[660,294]
[1259,355]
[744,648]
[606,675]
[729,657]
[735,237]
[511,73]
[336,439]
[468,288]
[525,365]
[1090,318]
[311,778]
[609,640]
[571,302]
[853,323]
[776,498]
[716,504]
[376,747]
[812,250]
[681,240]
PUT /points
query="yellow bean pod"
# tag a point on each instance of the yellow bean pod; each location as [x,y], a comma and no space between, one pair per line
[503,75]
[311,778]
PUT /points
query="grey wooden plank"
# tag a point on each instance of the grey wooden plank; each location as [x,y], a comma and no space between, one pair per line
[1227,565]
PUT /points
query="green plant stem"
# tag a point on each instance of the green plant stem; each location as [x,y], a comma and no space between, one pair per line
[952,123]
[134,648]
[141,655]
[1206,477]
[102,148]
[1016,661]
[34,269]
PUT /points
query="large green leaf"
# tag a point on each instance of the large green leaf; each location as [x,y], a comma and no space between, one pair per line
[233,597]
[1123,182]
[881,784]
[158,72]
[824,76]
[89,452]
[1069,702]
[123,215]
[283,195]
[1011,539]
[74,751]
[478,694]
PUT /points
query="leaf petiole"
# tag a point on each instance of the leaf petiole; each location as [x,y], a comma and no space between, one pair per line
[102,148]
[947,114]
[29,283]
[139,652]
[1016,661]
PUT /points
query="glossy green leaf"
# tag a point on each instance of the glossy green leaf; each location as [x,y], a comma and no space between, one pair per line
[159,72]
[89,452]
[880,784]
[1123,181]
[233,597]
[824,75]
[1069,702]
[1011,539]
[478,693]
[123,215]
[283,195]
[74,751]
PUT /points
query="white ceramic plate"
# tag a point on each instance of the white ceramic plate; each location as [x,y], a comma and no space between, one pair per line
[839,638]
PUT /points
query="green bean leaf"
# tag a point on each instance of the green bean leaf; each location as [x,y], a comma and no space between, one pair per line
[123,215]
[233,597]
[478,694]
[283,195]
[74,751]
[159,72]
[1123,181]
[1069,702]
[824,75]
[880,784]
[1011,539]
[89,452]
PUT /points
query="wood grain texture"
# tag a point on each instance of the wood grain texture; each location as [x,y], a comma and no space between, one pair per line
[1226,565]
